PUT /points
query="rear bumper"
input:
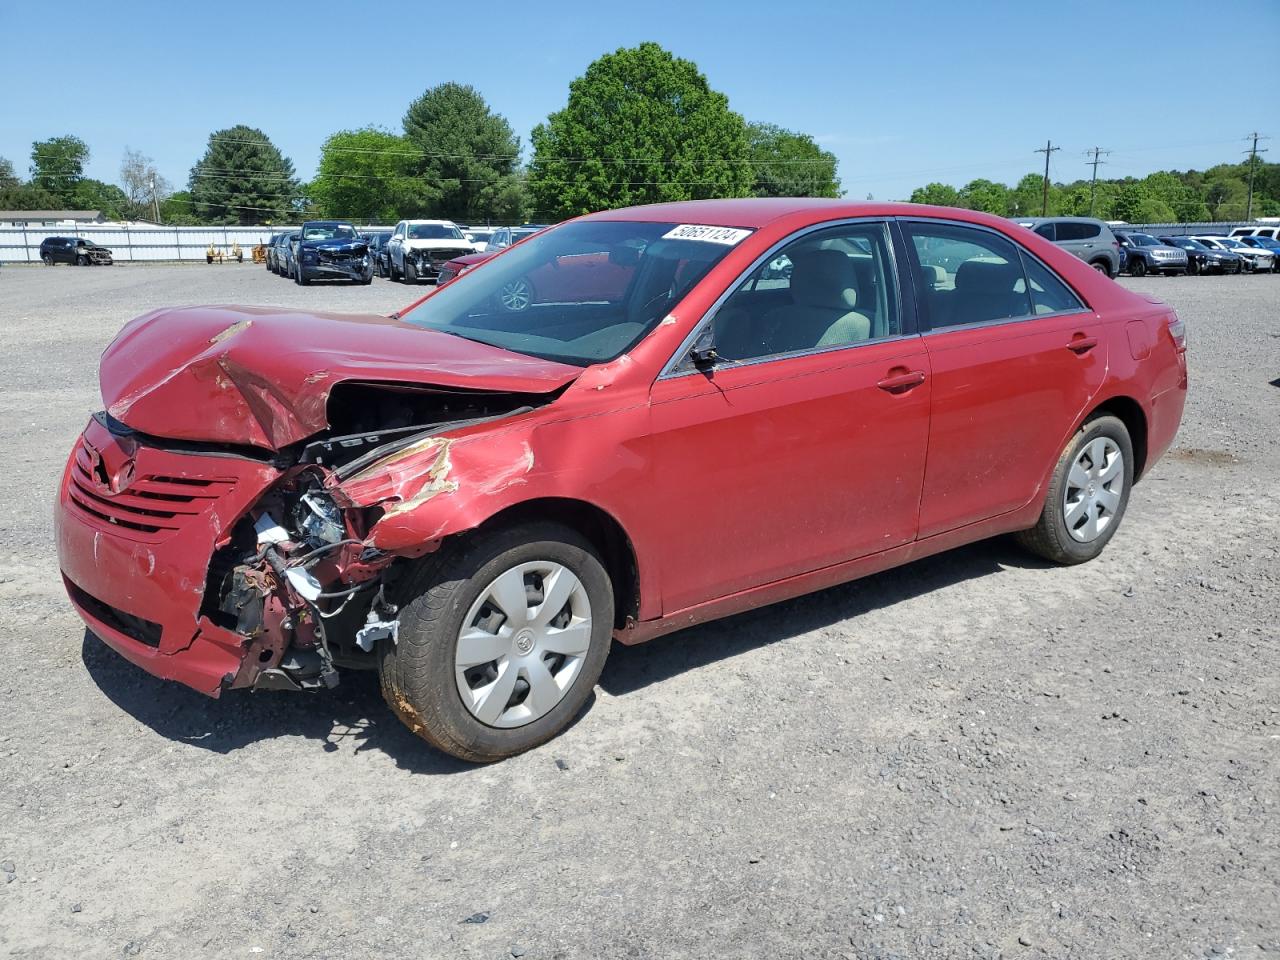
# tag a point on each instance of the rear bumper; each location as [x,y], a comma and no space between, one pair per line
[136,574]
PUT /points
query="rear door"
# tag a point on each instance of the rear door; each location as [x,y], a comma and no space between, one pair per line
[804,444]
[1015,356]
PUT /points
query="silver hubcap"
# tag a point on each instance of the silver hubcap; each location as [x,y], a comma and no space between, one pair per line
[1094,485]
[522,643]
[516,295]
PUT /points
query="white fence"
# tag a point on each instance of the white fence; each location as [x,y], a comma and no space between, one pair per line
[22,244]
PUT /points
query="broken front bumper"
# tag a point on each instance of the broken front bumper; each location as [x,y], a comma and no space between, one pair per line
[136,526]
[338,267]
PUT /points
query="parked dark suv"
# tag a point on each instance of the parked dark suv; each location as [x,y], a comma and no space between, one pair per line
[1145,254]
[1090,240]
[74,250]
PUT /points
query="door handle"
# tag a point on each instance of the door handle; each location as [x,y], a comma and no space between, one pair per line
[1082,344]
[902,382]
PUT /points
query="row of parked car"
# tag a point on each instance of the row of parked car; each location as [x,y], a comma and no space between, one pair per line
[1246,250]
[411,251]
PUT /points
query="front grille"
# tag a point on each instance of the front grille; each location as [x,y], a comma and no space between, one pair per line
[136,628]
[441,256]
[150,508]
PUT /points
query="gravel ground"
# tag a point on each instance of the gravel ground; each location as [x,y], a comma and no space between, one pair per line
[973,756]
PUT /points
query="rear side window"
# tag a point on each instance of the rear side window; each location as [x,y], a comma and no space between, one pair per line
[1045,230]
[1078,231]
[967,275]
[1048,293]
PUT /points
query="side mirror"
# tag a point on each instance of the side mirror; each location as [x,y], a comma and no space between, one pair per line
[703,352]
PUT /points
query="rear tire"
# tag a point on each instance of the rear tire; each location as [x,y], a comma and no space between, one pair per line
[1087,495]
[46,259]
[422,678]
[1102,267]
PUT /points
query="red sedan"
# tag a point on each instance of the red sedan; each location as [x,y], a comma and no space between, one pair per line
[722,404]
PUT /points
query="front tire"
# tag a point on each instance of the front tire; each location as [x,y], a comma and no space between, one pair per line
[502,638]
[1087,496]
[1138,268]
[410,271]
[82,261]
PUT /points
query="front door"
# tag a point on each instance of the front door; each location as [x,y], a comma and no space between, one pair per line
[803,444]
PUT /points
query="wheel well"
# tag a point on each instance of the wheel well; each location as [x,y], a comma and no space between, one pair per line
[601,530]
[1135,421]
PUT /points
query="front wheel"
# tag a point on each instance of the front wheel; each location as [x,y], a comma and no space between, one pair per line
[1138,268]
[82,261]
[410,271]
[1087,495]
[502,638]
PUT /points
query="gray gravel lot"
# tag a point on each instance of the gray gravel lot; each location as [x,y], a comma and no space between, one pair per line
[973,756]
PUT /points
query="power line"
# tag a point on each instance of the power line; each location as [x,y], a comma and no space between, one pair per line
[1253,152]
[1093,181]
[1047,150]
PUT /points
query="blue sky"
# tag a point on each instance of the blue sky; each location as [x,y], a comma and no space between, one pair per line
[902,92]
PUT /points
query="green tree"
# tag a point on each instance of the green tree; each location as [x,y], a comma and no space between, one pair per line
[93,194]
[985,195]
[937,194]
[467,157]
[789,164]
[640,126]
[243,178]
[8,178]
[57,166]
[364,175]
[178,208]
[1027,198]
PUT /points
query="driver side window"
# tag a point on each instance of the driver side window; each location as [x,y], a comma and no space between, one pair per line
[827,289]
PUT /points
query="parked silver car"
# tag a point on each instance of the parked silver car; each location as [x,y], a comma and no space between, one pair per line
[1090,240]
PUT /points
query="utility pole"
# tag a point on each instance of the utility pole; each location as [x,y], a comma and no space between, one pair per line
[1047,149]
[1253,163]
[1093,182]
[154,199]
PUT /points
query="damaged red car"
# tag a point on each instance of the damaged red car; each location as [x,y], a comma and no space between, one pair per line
[711,406]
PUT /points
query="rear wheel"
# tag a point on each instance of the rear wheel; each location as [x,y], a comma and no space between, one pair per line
[1102,267]
[501,641]
[46,259]
[1138,268]
[1087,496]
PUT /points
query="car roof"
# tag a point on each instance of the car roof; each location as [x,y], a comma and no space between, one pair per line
[446,222]
[756,212]
[1057,220]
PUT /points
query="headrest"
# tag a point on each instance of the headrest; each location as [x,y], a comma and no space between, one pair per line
[984,276]
[823,278]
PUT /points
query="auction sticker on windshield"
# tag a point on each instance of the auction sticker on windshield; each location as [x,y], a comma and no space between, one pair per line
[692,231]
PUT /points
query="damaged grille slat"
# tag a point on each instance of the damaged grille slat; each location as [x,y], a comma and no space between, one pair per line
[152,507]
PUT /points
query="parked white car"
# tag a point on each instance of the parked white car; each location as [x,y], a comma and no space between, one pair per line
[418,248]
[1270,231]
[479,236]
[1257,261]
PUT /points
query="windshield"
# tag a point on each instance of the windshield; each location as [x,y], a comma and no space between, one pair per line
[581,294]
[1187,244]
[1144,240]
[328,231]
[434,231]
[1228,242]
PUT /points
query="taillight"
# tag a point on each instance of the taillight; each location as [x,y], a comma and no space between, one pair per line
[1178,330]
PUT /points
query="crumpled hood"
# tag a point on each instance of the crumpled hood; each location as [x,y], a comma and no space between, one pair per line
[336,246]
[261,376]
